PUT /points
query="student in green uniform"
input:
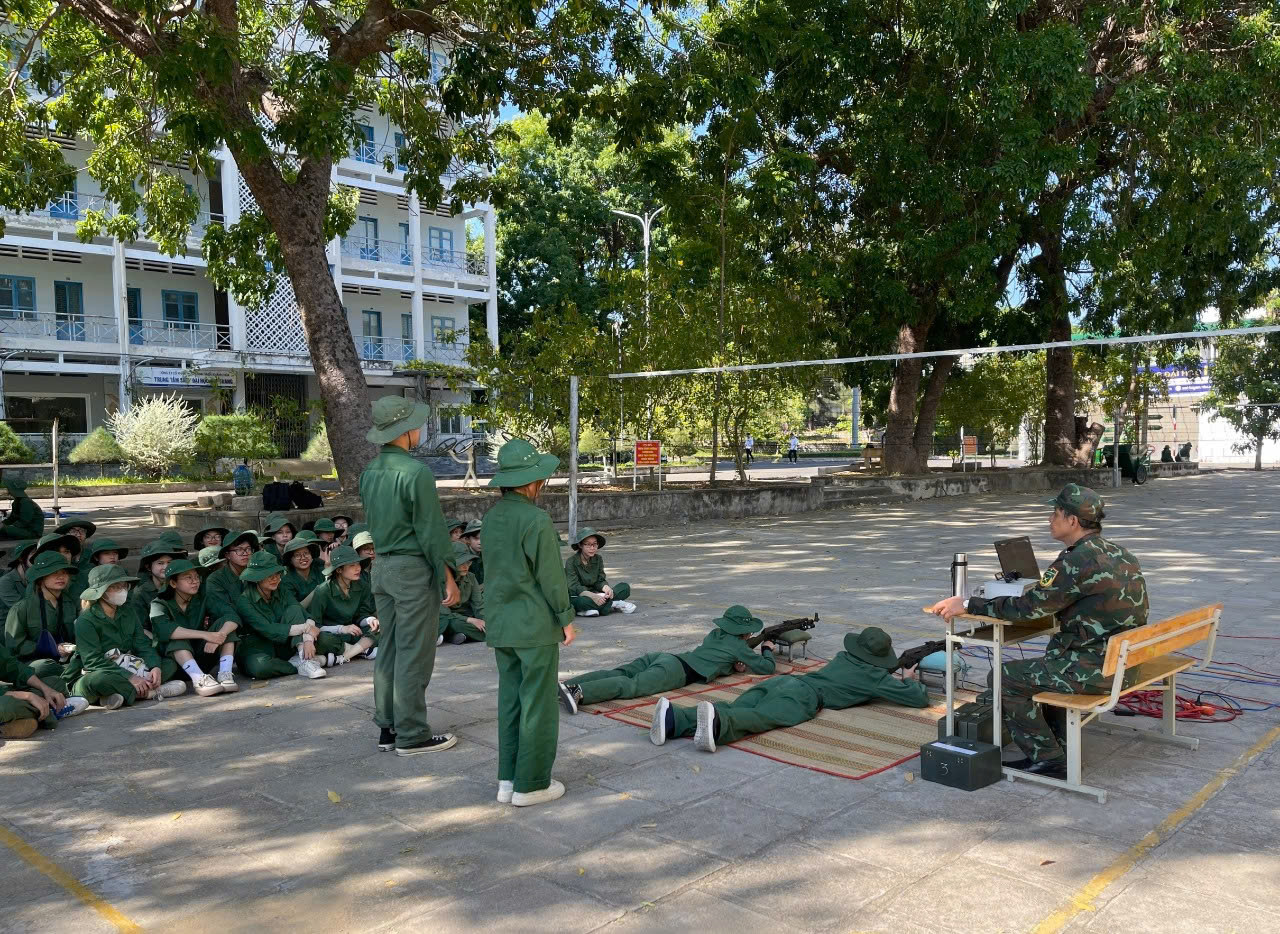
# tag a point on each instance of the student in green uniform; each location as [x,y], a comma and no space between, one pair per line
[106,634]
[83,530]
[154,559]
[589,591]
[455,527]
[223,586]
[278,532]
[302,560]
[103,551]
[276,638]
[343,605]
[465,620]
[411,579]
[209,535]
[723,650]
[342,523]
[527,616]
[186,632]
[26,518]
[23,711]
[66,545]
[325,530]
[471,538]
[40,628]
[862,672]
[13,586]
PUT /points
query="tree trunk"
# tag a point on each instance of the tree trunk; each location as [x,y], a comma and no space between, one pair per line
[1257,456]
[927,418]
[900,455]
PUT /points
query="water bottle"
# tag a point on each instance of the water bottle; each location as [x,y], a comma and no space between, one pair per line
[960,574]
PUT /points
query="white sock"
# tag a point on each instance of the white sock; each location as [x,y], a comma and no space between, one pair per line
[193,670]
[225,662]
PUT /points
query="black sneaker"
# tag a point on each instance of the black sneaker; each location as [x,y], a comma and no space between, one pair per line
[570,697]
[1049,768]
[387,738]
[434,744]
[457,638]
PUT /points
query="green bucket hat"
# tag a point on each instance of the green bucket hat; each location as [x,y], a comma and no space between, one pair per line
[455,524]
[159,548]
[46,563]
[473,528]
[393,416]
[20,550]
[583,535]
[738,621]
[360,540]
[181,566]
[305,535]
[66,527]
[340,557]
[357,527]
[519,463]
[461,555]
[53,541]
[261,566]
[15,485]
[198,541]
[1081,502]
[102,578]
[298,544]
[324,525]
[247,535]
[346,518]
[872,646]
[277,521]
[106,544]
[209,558]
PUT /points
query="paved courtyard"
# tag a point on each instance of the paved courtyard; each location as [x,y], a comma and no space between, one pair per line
[272,809]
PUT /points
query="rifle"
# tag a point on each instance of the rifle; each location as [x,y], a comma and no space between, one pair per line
[769,633]
[912,656]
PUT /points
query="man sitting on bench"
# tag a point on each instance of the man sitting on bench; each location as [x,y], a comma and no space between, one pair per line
[1095,589]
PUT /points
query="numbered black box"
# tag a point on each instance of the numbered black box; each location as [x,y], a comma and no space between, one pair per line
[960,763]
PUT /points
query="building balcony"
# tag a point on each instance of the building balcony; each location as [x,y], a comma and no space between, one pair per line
[381,252]
[60,214]
[452,262]
[31,326]
[398,351]
[180,334]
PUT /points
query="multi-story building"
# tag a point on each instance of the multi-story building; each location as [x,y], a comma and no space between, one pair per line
[86,328]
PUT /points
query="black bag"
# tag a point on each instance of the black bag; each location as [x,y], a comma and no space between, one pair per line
[275,496]
[304,498]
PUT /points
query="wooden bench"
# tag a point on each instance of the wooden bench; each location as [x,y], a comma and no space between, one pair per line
[872,456]
[1145,656]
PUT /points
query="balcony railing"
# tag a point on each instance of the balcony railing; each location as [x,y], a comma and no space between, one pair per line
[401,350]
[69,207]
[31,325]
[453,260]
[187,335]
[370,250]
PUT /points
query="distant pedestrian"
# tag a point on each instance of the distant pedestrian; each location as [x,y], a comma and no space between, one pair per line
[793,448]
[749,445]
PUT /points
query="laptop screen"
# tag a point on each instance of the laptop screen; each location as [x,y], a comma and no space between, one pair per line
[1017,555]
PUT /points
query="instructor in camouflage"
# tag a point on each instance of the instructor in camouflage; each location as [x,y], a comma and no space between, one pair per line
[1095,589]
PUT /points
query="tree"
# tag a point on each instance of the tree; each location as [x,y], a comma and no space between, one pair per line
[317,448]
[998,394]
[98,447]
[243,437]
[280,86]
[1245,387]
[13,450]
[156,434]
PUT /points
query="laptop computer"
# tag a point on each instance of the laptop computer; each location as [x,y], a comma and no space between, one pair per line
[1018,557]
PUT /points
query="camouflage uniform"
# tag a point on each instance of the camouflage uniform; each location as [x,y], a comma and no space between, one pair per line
[1095,589]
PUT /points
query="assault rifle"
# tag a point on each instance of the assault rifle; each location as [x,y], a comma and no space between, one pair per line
[769,633]
[913,655]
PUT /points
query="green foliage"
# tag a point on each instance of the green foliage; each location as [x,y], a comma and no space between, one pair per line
[996,396]
[13,450]
[1245,385]
[593,442]
[98,447]
[156,434]
[317,448]
[243,437]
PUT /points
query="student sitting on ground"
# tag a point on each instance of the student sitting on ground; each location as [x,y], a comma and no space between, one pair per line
[362,542]
[342,523]
[325,530]
[209,535]
[343,605]
[66,545]
[23,711]
[279,531]
[155,558]
[187,633]
[861,673]
[464,621]
[82,530]
[223,586]
[277,638]
[471,538]
[589,592]
[455,528]
[40,628]
[102,551]
[26,518]
[13,586]
[724,649]
[119,662]
[302,559]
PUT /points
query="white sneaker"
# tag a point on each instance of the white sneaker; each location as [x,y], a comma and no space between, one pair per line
[522,799]
[622,606]
[227,681]
[171,689]
[333,660]
[73,707]
[111,702]
[704,737]
[207,685]
[372,653]
[588,612]
[505,791]
[307,668]
[440,640]
[658,728]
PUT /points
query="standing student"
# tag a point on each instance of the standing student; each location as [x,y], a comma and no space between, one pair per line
[40,628]
[528,615]
[343,605]
[25,518]
[209,535]
[471,538]
[277,638]
[410,578]
[279,531]
[589,590]
[187,633]
[465,621]
[302,559]
[13,585]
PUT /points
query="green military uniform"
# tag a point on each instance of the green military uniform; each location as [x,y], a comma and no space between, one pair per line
[17,674]
[97,633]
[589,576]
[403,510]
[275,522]
[1096,589]
[26,518]
[472,532]
[266,645]
[658,672]
[147,589]
[861,673]
[297,585]
[328,606]
[89,529]
[527,610]
[454,620]
[81,580]
[223,588]
[166,615]
[33,614]
[54,542]
[13,585]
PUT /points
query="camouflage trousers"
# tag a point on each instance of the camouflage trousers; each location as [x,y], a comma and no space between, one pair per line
[1040,738]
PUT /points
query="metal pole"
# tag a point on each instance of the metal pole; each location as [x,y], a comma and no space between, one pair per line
[56,511]
[1115,452]
[856,416]
[573,457]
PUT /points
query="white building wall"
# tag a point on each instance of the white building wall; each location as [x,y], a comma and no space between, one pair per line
[1217,445]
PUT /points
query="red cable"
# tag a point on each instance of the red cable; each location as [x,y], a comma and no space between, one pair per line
[1151,704]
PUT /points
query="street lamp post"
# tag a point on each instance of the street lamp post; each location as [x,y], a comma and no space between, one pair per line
[615,317]
[646,222]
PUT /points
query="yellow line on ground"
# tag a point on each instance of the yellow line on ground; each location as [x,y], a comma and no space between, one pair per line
[1083,900]
[28,854]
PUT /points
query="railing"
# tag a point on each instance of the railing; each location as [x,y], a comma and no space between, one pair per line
[31,325]
[387,349]
[69,207]
[187,335]
[377,251]
[453,260]
[377,154]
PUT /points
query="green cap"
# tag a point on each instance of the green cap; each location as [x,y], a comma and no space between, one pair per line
[198,542]
[102,578]
[1079,501]
[461,555]
[305,535]
[15,485]
[872,646]
[357,527]
[158,548]
[261,566]
[344,517]
[66,527]
[247,535]
[210,557]
[583,535]
[277,521]
[46,563]
[181,566]
[53,541]
[519,463]
[297,544]
[341,557]
[393,416]
[473,528]
[738,621]
[361,539]
[106,544]
[20,550]
[455,524]
[325,525]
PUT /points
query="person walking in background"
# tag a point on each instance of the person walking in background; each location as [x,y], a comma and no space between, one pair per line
[793,448]
[748,446]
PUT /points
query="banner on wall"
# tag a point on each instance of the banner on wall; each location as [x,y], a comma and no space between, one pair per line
[175,377]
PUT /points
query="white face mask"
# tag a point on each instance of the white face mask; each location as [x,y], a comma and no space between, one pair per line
[117,597]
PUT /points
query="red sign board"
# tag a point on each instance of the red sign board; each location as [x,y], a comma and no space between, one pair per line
[971,444]
[648,453]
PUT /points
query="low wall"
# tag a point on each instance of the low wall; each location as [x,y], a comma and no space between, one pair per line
[1176,469]
[1015,480]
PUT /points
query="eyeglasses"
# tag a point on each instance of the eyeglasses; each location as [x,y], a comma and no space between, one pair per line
[240,550]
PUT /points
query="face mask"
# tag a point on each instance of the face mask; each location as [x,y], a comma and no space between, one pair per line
[117,597]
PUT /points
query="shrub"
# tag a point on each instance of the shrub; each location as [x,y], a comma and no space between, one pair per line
[13,450]
[98,447]
[156,434]
[318,447]
[242,437]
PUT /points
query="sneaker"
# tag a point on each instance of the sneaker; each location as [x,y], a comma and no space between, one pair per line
[332,659]
[387,739]
[570,695]
[307,667]
[1049,768]
[18,729]
[434,744]
[171,689]
[505,791]
[112,702]
[659,728]
[523,799]
[457,638]
[227,681]
[704,737]
[588,612]
[622,606]
[372,653]
[207,685]
[440,640]
[74,706]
